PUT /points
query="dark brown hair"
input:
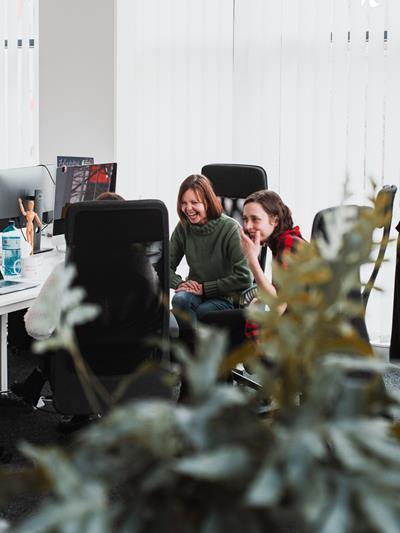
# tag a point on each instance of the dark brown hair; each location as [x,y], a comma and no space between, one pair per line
[205,193]
[273,205]
[109,196]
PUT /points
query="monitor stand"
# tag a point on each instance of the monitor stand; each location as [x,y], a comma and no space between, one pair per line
[37,239]
[37,236]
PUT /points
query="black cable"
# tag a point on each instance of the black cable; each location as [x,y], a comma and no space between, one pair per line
[51,177]
[45,226]
[48,171]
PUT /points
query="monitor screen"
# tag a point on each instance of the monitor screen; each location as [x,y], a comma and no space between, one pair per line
[26,182]
[80,184]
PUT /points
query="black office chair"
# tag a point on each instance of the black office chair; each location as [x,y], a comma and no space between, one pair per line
[385,199]
[394,349]
[233,184]
[120,250]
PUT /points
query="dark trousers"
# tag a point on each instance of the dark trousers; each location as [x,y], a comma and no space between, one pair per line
[232,320]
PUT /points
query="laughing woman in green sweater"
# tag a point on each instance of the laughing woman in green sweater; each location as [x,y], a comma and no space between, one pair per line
[210,241]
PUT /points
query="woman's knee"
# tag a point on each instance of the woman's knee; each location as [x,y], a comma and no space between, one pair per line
[182,300]
[209,306]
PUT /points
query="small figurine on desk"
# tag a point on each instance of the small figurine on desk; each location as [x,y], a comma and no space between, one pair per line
[30,217]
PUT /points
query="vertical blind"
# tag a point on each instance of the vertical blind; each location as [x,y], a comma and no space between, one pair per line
[309,89]
[316,91]
[173,94]
[18,83]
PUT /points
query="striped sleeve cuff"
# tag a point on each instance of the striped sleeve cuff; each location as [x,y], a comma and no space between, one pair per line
[210,289]
[175,281]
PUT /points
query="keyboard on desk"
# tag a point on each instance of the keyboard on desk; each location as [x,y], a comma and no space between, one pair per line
[7,286]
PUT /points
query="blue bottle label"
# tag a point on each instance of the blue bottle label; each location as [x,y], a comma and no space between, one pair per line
[11,255]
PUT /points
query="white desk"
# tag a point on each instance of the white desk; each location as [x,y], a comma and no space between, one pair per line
[15,301]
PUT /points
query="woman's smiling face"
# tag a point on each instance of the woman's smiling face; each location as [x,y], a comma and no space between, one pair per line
[256,219]
[193,207]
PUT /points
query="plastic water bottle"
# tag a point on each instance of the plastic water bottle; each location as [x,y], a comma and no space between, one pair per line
[11,244]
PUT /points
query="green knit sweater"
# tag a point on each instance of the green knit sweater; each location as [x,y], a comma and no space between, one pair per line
[214,255]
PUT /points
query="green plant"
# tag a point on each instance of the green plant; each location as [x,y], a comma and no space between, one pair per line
[327,463]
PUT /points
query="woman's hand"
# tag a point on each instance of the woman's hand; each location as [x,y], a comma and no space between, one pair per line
[190,286]
[251,248]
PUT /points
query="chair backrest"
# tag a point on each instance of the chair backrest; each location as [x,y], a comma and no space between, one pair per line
[384,200]
[233,184]
[120,250]
[319,229]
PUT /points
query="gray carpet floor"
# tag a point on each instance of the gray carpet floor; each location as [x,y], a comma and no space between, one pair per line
[20,423]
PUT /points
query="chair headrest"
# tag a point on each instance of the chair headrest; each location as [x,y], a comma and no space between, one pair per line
[93,223]
[235,181]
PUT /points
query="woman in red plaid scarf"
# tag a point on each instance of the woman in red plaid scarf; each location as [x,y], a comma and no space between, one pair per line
[267,221]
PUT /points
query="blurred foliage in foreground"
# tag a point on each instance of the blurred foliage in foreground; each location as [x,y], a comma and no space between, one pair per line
[325,459]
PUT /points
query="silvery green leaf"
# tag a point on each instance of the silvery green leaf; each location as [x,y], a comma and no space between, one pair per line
[337,516]
[64,476]
[346,450]
[382,515]
[81,314]
[47,345]
[194,422]
[337,223]
[181,353]
[315,496]
[55,516]
[72,525]
[381,446]
[150,422]
[354,363]
[202,370]
[62,338]
[223,463]
[72,297]
[312,441]
[266,489]
[4,525]
[99,522]
[132,524]
[157,478]
[233,521]
[68,273]
[298,464]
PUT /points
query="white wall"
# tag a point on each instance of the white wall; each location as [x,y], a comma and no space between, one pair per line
[174,93]
[76,79]
[18,83]
[278,84]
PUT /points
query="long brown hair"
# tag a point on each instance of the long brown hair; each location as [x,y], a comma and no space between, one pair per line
[204,191]
[273,205]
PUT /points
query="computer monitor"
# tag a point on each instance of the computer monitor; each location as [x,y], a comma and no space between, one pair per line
[80,184]
[36,183]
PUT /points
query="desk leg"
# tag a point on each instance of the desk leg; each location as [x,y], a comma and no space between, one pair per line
[3,352]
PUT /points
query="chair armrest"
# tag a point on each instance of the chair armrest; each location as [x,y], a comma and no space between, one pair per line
[247,296]
[245,380]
